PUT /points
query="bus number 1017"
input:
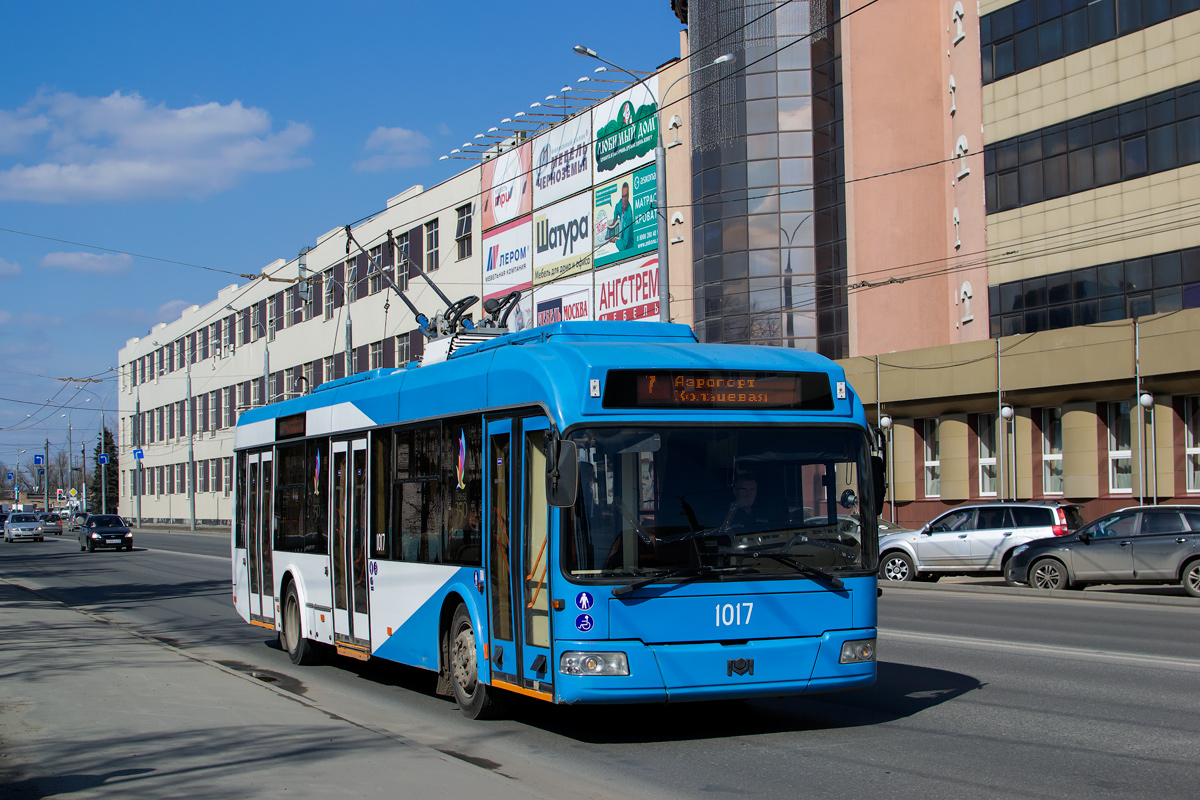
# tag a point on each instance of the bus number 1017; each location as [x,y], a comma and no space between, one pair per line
[731,614]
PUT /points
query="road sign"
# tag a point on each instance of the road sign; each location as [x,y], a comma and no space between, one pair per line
[138,454]
[37,459]
[11,476]
[42,471]
[73,493]
[104,457]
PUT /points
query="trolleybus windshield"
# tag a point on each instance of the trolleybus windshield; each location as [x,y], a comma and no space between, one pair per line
[661,499]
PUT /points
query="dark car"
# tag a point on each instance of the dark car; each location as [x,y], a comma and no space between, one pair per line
[104,530]
[1143,544]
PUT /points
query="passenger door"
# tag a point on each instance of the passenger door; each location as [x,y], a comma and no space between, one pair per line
[945,543]
[1162,543]
[260,527]
[1108,552]
[994,527]
[518,556]
[348,545]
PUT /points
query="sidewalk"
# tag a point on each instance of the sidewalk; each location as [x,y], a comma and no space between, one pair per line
[89,709]
[1151,594]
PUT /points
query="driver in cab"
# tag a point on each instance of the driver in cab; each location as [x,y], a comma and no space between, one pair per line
[744,514]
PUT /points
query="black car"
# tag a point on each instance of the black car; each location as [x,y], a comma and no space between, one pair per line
[104,530]
[1144,544]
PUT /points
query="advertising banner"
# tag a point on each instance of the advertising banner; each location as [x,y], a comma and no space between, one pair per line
[562,239]
[626,130]
[564,301]
[628,291]
[562,160]
[508,258]
[624,220]
[507,188]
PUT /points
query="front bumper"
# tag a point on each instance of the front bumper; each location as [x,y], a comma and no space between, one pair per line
[713,671]
[115,542]
[24,533]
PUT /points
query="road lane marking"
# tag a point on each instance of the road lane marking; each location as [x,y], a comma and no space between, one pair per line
[1054,651]
[182,553]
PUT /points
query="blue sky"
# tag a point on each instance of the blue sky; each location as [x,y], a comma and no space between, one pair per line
[228,135]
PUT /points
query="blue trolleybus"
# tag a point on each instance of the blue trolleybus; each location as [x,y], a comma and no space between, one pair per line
[585,512]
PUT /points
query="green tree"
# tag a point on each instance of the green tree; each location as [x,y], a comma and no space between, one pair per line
[109,476]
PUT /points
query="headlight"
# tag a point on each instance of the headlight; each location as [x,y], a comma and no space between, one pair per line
[576,663]
[1020,549]
[95,536]
[858,651]
[127,533]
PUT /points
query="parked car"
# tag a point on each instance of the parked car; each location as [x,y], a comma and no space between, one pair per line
[50,523]
[104,530]
[972,539]
[22,525]
[1142,544]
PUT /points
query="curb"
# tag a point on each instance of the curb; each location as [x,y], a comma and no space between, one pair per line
[1022,591]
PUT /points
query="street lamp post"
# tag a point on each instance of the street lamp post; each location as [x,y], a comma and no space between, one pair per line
[660,167]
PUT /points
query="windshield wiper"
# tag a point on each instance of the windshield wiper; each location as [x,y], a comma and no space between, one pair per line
[689,573]
[804,569]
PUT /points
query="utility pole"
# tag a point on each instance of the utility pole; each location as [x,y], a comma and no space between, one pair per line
[191,477]
[46,478]
[83,472]
[137,470]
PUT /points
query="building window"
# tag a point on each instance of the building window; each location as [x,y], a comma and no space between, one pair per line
[256,392]
[1191,419]
[254,323]
[327,285]
[377,355]
[402,351]
[402,263]
[986,428]
[431,245]
[933,455]
[327,369]
[462,232]
[228,474]
[1052,444]
[230,407]
[308,377]
[271,313]
[1120,448]
[202,468]
[289,306]
[272,388]
[351,280]
[375,270]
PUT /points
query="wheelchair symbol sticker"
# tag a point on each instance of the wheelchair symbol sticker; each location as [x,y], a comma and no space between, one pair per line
[584,622]
[584,601]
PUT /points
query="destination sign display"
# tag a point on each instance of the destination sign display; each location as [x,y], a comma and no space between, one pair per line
[718,389]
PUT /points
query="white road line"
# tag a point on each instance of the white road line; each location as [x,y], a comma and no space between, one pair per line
[1052,651]
[181,553]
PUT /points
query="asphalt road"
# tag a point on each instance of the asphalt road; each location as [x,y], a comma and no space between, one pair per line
[981,694]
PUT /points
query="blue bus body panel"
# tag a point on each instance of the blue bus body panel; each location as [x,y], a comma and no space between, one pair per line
[552,367]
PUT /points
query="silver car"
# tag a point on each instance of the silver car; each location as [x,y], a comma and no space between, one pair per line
[1143,544]
[971,540]
[51,522]
[22,525]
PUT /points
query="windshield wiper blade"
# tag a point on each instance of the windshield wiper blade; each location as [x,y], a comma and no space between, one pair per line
[804,569]
[690,573]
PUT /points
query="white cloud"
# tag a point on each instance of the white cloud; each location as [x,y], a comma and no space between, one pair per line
[170,310]
[29,320]
[167,312]
[9,269]
[122,148]
[91,263]
[394,148]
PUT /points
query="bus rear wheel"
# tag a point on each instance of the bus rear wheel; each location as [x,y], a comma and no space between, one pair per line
[477,700]
[300,650]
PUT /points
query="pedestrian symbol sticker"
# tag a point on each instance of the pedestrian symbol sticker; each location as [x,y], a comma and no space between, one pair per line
[585,601]
[584,623]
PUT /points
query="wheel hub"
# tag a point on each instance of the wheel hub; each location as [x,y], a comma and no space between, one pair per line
[895,570]
[462,660]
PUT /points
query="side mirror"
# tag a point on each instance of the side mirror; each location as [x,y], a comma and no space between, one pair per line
[1085,537]
[562,474]
[878,483]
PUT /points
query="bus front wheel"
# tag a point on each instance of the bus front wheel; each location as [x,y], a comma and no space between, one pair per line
[300,650]
[477,700]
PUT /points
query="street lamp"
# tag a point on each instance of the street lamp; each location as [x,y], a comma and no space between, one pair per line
[660,167]
[17,476]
